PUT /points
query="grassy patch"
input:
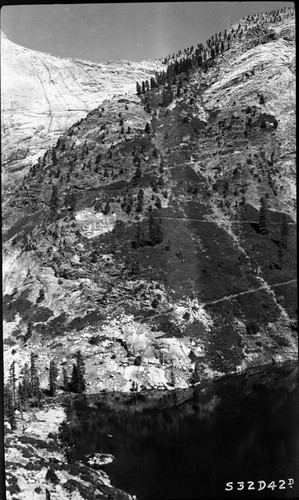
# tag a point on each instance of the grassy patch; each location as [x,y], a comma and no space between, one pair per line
[263,251]
[259,307]
[90,318]
[37,314]
[287,298]
[56,326]
[223,350]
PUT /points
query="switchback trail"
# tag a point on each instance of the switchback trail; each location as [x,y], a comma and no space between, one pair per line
[187,219]
[233,296]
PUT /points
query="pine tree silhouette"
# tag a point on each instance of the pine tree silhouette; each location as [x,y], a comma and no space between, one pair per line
[53,373]
[140,196]
[9,410]
[12,383]
[24,389]
[106,208]
[54,200]
[67,441]
[195,375]
[34,379]
[78,375]
[65,379]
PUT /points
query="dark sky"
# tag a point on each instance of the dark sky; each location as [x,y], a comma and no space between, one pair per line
[113,31]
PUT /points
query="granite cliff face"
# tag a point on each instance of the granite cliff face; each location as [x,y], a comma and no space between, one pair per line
[42,95]
[140,237]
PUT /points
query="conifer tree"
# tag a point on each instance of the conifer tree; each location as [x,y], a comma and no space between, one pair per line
[158,202]
[195,375]
[53,373]
[12,383]
[81,372]
[67,441]
[172,376]
[147,128]
[153,83]
[9,410]
[78,374]
[140,196]
[164,97]
[170,95]
[24,388]
[54,157]
[74,378]
[54,199]
[106,208]
[65,379]
[34,379]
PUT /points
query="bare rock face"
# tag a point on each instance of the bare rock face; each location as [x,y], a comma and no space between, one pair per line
[42,95]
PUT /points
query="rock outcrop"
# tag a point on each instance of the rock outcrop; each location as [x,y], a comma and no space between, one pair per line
[42,95]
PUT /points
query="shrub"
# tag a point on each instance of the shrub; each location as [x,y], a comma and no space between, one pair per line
[94,340]
[281,341]
[252,328]
[67,441]
[106,208]
[78,374]
[262,99]
[137,361]
[52,476]
[155,303]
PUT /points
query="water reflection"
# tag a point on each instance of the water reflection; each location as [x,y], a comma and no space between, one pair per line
[189,444]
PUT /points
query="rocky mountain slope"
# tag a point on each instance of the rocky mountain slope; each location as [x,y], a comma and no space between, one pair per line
[140,238]
[42,95]
[157,236]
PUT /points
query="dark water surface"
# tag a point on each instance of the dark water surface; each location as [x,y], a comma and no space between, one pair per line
[190,444]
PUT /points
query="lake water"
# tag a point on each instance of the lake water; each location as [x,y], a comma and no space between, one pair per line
[217,441]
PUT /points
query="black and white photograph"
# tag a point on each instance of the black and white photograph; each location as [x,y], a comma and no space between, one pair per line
[149,263]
